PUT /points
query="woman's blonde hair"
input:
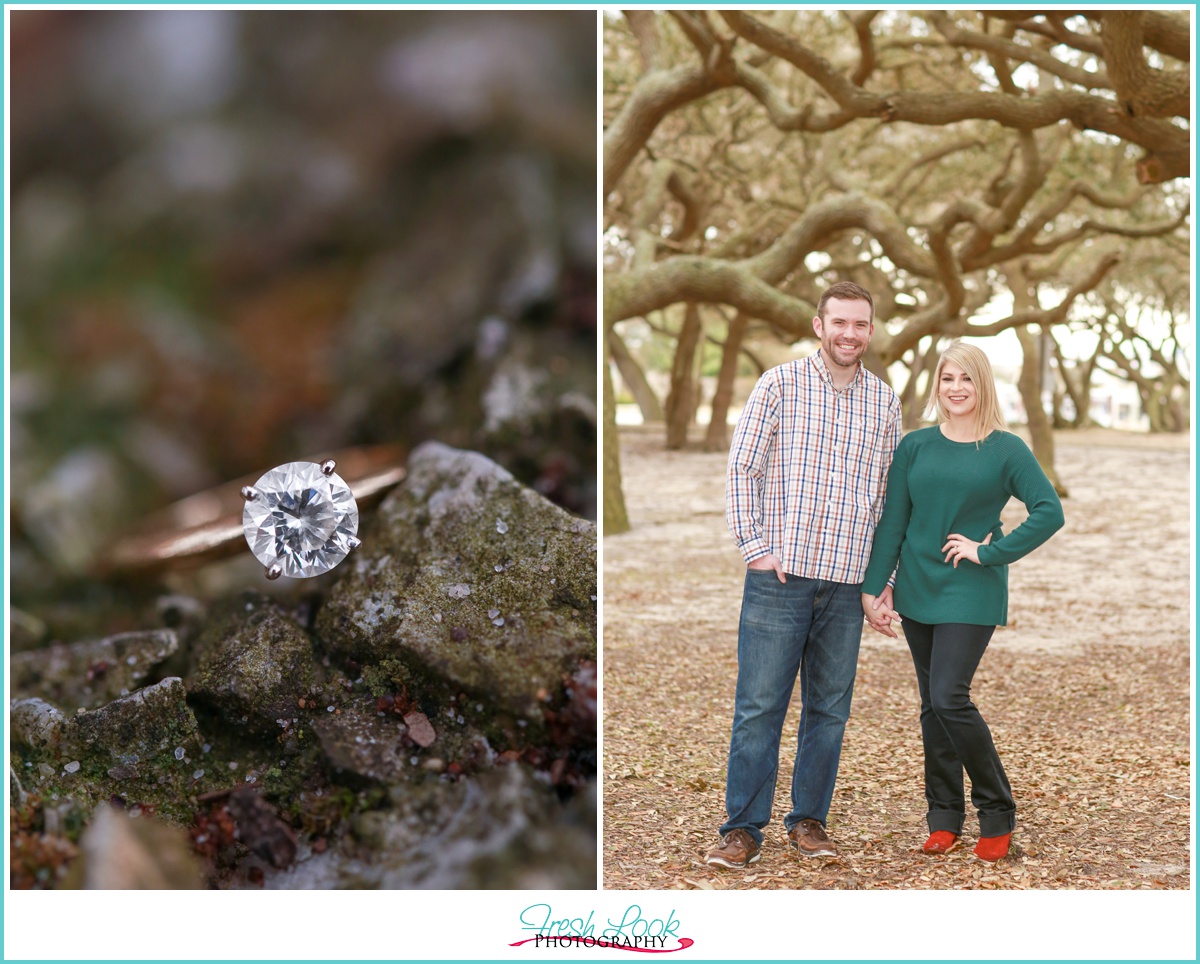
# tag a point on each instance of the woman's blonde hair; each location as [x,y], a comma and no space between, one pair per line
[974,362]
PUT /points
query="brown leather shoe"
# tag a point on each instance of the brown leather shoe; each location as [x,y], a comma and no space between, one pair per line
[737,850]
[809,839]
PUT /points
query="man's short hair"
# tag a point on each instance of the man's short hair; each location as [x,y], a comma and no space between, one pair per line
[847,291]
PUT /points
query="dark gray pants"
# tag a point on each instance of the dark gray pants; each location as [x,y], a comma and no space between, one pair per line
[953,732]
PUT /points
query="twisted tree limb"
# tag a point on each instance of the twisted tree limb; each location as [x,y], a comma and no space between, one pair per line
[1167,146]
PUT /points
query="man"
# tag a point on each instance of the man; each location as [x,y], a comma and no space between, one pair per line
[807,472]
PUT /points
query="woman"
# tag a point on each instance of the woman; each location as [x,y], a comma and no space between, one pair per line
[941,522]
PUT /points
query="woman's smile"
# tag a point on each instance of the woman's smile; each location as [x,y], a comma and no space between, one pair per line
[956,390]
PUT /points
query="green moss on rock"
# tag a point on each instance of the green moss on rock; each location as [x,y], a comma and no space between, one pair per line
[255,662]
[139,748]
[137,727]
[93,672]
[470,577]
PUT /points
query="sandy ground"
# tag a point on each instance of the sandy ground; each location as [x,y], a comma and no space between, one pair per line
[1087,691]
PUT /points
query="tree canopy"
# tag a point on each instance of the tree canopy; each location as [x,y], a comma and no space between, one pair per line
[977,171]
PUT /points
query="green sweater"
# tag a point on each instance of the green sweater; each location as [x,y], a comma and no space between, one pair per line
[937,487]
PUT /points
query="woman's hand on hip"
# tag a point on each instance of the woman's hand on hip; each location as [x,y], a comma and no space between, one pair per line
[959,547]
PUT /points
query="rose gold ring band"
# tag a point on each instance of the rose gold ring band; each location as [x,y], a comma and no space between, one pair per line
[208,526]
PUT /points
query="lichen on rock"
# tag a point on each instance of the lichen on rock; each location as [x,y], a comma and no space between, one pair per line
[135,728]
[473,578]
[36,723]
[363,742]
[254,661]
[92,672]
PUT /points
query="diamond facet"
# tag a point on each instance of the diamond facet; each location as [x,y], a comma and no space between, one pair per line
[301,519]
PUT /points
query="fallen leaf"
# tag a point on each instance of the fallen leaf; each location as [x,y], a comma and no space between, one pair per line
[419,728]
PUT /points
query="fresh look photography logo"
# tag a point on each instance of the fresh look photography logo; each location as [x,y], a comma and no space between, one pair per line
[632,931]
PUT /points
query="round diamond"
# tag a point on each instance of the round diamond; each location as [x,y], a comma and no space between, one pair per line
[301,520]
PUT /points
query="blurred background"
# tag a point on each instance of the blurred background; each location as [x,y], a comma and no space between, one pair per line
[245,237]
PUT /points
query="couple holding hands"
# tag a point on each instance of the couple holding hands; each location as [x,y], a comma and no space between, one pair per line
[816,449]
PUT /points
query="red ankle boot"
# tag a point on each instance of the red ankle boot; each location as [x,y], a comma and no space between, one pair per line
[992,848]
[940,842]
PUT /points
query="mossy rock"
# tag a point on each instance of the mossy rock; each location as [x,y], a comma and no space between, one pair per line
[138,727]
[94,672]
[254,662]
[473,578]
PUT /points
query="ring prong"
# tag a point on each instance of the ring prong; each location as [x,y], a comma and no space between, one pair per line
[249,493]
[353,542]
[275,571]
[328,466]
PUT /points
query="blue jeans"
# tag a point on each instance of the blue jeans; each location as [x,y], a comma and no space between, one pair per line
[806,626]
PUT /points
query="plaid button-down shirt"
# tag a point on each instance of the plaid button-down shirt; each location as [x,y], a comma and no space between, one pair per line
[808,469]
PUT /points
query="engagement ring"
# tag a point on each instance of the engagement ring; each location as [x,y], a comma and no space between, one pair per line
[299,519]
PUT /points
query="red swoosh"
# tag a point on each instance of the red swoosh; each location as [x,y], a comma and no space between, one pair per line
[684,944]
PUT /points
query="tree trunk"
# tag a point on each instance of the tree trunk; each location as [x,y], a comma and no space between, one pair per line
[1077,383]
[1057,418]
[911,404]
[1178,413]
[1151,406]
[616,519]
[635,379]
[1155,393]
[1158,405]
[1041,433]
[1083,413]
[717,437]
[681,402]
